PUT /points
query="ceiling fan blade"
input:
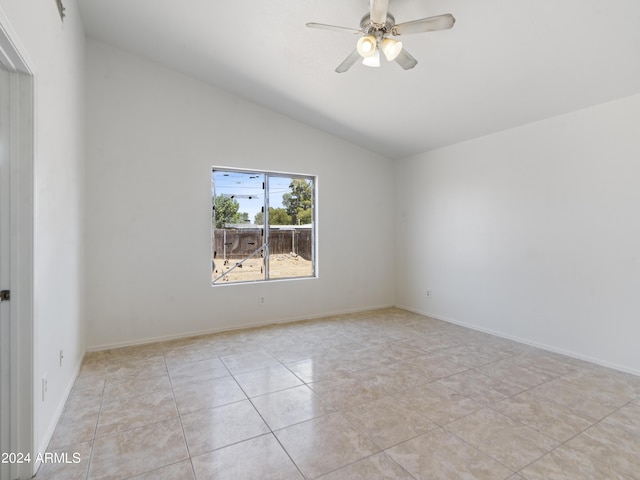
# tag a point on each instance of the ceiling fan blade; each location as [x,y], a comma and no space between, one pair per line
[406,60]
[335,28]
[378,11]
[431,24]
[348,62]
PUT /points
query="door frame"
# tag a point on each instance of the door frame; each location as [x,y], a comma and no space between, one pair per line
[21,154]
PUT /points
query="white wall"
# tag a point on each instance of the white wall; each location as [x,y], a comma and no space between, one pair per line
[58,55]
[532,233]
[152,136]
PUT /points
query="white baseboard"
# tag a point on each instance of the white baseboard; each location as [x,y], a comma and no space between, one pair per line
[243,326]
[549,348]
[44,443]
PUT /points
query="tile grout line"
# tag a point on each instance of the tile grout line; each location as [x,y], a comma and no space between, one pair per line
[95,431]
[271,431]
[175,402]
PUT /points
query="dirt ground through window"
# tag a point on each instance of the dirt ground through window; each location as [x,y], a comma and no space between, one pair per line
[281,266]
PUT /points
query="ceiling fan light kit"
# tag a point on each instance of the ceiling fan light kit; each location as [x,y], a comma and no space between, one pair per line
[366,46]
[391,48]
[372,60]
[375,27]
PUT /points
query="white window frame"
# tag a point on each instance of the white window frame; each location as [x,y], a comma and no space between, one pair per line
[268,174]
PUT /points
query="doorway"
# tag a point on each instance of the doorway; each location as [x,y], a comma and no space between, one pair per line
[16,255]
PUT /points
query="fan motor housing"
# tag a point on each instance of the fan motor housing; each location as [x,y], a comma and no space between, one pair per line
[370,28]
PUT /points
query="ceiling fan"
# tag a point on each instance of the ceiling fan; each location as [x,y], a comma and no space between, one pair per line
[375,29]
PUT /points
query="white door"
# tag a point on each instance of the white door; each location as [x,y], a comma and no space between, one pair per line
[5,274]
[17,122]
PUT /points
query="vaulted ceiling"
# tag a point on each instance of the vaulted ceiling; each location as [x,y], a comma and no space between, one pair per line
[505,62]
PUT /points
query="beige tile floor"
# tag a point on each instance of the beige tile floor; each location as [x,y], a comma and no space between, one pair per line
[385,394]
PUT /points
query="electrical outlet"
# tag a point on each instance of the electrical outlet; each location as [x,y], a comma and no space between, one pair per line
[45,386]
[261,300]
[61,356]
[428,293]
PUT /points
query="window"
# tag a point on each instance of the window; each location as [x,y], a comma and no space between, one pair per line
[262,225]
